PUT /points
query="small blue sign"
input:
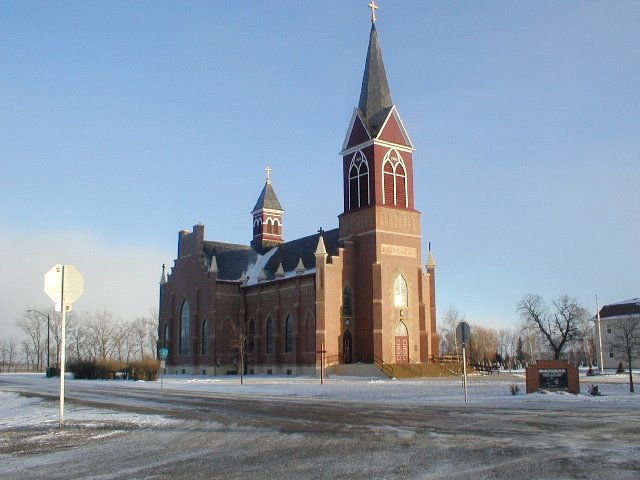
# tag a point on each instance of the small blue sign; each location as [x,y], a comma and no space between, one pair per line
[164,353]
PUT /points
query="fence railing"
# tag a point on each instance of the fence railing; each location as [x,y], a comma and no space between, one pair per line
[383,366]
[448,359]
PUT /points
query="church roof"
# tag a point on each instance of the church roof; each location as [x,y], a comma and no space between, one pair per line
[375,96]
[233,260]
[267,199]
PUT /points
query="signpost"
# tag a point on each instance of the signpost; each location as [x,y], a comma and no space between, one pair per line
[463,332]
[164,353]
[64,285]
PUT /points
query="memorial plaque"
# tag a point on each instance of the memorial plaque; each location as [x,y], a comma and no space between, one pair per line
[553,379]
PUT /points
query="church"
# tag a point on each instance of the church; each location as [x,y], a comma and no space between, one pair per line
[359,293]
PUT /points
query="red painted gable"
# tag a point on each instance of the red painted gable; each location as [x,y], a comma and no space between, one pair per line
[358,135]
[393,132]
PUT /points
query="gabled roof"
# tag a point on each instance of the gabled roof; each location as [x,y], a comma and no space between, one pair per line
[267,199]
[232,260]
[626,307]
[375,97]
[290,253]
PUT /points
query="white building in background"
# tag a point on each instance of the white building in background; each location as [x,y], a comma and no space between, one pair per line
[610,316]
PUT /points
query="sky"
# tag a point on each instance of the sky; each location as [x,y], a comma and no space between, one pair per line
[122,123]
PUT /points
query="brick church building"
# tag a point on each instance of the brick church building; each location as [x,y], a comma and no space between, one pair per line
[360,290]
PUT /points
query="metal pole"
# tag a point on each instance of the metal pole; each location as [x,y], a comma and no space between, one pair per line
[464,370]
[321,363]
[600,337]
[48,355]
[62,348]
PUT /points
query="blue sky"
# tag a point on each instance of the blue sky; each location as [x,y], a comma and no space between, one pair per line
[122,123]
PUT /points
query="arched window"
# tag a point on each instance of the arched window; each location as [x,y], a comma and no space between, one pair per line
[277,227]
[289,326]
[400,295]
[401,185]
[251,334]
[401,330]
[394,180]
[269,335]
[353,187]
[204,340]
[185,332]
[359,181]
[166,335]
[346,302]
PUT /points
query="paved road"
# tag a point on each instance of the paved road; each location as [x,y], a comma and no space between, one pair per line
[223,436]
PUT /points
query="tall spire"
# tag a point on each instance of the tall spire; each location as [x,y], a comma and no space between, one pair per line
[375,97]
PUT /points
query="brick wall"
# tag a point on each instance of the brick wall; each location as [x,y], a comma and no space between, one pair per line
[533,374]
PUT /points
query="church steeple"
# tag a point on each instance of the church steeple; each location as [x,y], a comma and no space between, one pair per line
[377,151]
[375,97]
[267,218]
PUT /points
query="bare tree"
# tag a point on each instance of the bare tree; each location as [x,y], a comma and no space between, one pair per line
[508,339]
[558,325]
[450,320]
[77,342]
[29,357]
[8,353]
[101,330]
[140,331]
[483,344]
[130,340]
[34,324]
[626,342]
[152,331]
[238,342]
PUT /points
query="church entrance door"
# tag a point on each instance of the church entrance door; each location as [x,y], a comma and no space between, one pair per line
[347,356]
[402,343]
[402,349]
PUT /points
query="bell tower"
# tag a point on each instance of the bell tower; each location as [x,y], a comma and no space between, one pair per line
[380,227]
[267,218]
[377,151]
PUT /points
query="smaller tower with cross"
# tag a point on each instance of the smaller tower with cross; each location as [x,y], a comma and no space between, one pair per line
[267,218]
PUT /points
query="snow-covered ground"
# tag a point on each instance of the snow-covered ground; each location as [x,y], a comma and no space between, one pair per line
[482,390]
[353,427]
[19,412]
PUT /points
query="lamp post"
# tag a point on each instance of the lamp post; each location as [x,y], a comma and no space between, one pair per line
[48,328]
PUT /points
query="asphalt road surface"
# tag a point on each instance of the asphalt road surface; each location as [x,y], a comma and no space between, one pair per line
[250,437]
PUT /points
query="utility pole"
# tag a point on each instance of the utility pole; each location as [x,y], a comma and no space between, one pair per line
[600,336]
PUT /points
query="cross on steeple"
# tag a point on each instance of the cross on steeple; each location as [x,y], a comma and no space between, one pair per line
[268,169]
[373,8]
